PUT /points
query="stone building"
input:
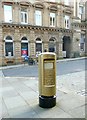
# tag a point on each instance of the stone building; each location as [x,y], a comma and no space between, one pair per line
[30,27]
[82,25]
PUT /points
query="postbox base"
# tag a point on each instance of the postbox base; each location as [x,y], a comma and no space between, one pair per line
[47,102]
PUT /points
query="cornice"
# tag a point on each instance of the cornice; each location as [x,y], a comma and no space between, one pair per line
[36,28]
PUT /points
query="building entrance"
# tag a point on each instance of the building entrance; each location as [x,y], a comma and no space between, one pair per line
[66,46]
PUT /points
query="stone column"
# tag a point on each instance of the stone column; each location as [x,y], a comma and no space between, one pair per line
[45,17]
[60,46]
[17,46]
[75,47]
[46,41]
[32,43]
[31,15]
[16,13]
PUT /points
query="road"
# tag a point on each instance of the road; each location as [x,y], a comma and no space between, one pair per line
[61,69]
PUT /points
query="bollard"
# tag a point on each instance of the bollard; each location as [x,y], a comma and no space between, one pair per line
[47,79]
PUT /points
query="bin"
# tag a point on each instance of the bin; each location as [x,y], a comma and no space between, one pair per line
[47,79]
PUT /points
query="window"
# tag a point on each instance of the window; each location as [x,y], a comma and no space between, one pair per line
[8,46]
[82,42]
[7,13]
[38,18]
[66,2]
[80,9]
[24,47]
[24,15]
[82,46]
[67,22]
[38,46]
[52,0]
[52,19]
[52,47]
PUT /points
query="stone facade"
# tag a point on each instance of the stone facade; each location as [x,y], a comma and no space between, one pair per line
[44,35]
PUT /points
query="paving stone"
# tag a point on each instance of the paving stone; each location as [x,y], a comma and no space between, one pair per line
[69,102]
[61,115]
[54,112]
[6,89]
[4,111]
[31,84]
[78,112]
[29,95]
[22,112]
[14,102]
[8,94]
[20,87]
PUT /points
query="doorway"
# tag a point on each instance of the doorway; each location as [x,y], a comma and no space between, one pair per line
[67,46]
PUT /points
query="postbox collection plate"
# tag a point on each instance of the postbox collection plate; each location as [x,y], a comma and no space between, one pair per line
[49,78]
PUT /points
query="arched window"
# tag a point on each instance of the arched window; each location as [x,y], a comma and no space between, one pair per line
[24,47]
[52,46]
[8,46]
[38,46]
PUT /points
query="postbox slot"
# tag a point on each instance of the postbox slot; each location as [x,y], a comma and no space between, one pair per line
[48,59]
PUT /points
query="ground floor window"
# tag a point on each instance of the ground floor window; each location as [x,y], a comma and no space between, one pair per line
[52,47]
[38,46]
[82,46]
[9,49]
[82,42]
[8,46]
[24,49]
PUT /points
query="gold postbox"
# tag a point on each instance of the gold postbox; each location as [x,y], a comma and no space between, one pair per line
[47,79]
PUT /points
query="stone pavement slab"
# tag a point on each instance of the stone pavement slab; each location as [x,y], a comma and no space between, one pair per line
[24,103]
[13,102]
[78,112]
[23,112]
[70,101]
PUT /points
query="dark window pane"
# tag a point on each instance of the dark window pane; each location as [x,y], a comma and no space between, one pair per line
[9,49]
[53,21]
[24,38]
[51,47]
[50,20]
[8,38]
[38,47]
[82,46]
[51,50]
[25,18]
